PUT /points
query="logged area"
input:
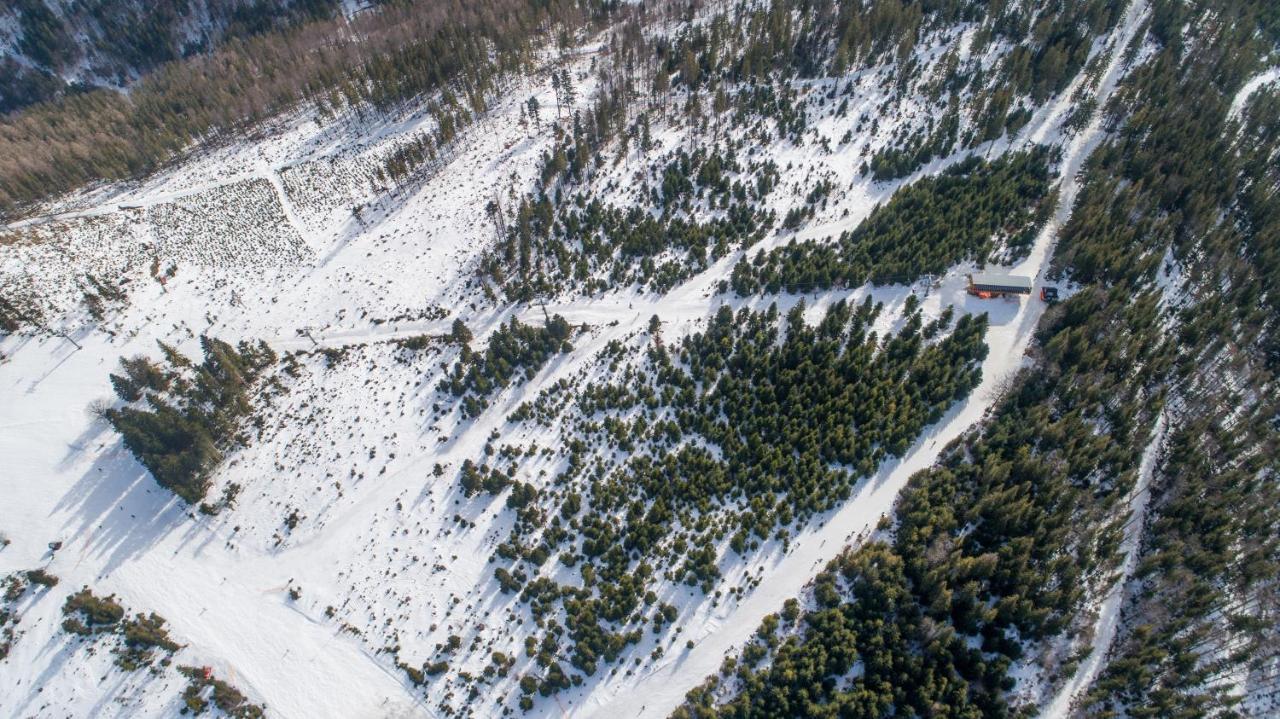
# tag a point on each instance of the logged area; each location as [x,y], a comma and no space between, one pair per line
[794,358]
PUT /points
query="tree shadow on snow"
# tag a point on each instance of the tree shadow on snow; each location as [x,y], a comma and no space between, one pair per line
[117,510]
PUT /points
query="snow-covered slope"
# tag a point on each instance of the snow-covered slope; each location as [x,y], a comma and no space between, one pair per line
[347,552]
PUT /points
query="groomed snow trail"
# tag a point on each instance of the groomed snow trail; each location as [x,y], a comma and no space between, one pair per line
[659,692]
[286,205]
[1109,610]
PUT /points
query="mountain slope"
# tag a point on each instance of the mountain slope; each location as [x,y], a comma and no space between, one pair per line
[648,358]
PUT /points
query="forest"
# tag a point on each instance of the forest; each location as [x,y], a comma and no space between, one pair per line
[178,418]
[961,214]
[119,41]
[1187,181]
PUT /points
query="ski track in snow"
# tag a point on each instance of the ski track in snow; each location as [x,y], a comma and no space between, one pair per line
[1246,92]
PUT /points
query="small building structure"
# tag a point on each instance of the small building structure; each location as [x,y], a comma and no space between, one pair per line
[991,284]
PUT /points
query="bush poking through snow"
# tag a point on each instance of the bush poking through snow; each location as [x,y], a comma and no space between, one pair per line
[88,614]
[42,578]
[204,688]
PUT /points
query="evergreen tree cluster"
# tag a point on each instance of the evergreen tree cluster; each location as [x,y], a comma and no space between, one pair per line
[565,239]
[204,690]
[925,228]
[89,615]
[894,162]
[991,549]
[179,417]
[13,587]
[515,351]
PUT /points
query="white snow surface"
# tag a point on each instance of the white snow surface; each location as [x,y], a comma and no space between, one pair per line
[288,239]
[67,477]
[1255,83]
[1011,327]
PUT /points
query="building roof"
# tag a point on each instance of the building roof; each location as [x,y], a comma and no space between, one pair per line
[994,280]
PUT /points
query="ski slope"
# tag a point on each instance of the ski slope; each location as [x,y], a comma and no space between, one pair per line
[67,478]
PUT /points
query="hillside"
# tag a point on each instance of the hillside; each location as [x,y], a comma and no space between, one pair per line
[592,358]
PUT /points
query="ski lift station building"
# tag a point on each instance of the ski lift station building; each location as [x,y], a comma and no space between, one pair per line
[991,284]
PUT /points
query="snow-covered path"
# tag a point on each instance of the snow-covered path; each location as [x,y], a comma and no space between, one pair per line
[663,689]
[1109,609]
[1253,85]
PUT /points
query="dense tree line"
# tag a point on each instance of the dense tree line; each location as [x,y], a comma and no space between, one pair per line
[204,689]
[179,416]
[111,43]
[961,214]
[386,57]
[117,41]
